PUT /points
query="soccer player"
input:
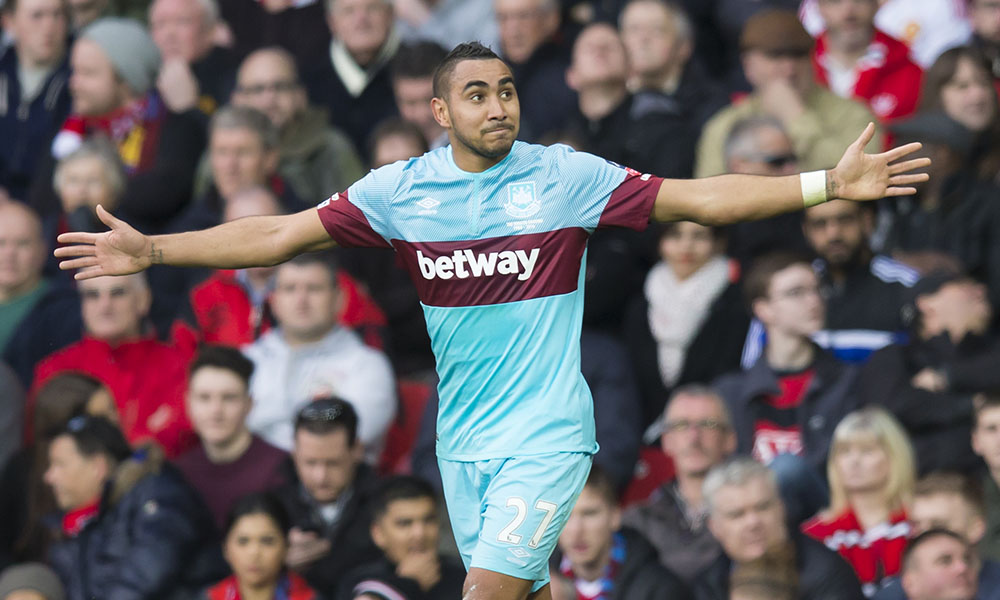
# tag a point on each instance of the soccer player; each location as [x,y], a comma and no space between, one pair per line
[493,232]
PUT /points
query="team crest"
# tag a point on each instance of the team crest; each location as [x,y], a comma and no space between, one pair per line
[522,202]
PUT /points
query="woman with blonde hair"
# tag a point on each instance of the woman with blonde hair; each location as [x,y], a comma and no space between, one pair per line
[871,471]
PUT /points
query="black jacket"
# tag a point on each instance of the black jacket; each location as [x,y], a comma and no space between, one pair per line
[871,297]
[823,575]
[150,533]
[350,540]
[830,396]
[54,323]
[368,578]
[938,422]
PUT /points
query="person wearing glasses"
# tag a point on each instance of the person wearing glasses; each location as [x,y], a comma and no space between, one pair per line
[493,233]
[784,408]
[329,499]
[697,435]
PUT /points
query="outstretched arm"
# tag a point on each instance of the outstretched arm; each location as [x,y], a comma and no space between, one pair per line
[249,242]
[733,198]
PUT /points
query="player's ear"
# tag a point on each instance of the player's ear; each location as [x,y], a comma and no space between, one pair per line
[440,109]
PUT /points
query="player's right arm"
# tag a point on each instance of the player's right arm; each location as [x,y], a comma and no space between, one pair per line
[248,242]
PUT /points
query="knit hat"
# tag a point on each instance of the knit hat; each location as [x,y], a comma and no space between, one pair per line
[775,30]
[130,49]
[31,576]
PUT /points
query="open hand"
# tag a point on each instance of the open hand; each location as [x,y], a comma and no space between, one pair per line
[121,251]
[862,176]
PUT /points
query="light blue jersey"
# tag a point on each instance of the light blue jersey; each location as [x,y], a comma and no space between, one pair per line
[497,258]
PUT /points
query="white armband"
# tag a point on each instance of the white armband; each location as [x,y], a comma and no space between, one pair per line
[813,188]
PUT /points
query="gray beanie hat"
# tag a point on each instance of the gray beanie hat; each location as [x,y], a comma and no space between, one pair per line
[31,576]
[130,49]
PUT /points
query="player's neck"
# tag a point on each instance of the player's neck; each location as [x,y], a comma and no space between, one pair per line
[472,162]
[788,352]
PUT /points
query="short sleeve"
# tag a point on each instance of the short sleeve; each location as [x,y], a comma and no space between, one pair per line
[360,216]
[604,193]
[347,224]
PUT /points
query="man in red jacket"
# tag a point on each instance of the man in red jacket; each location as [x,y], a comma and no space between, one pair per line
[856,60]
[145,376]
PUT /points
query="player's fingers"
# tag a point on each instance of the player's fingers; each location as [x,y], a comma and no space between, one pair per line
[908,179]
[107,218]
[900,191]
[865,137]
[901,151]
[79,263]
[909,165]
[78,250]
[77,237]
[88,273]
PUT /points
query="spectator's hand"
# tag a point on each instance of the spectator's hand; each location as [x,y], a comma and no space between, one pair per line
[931,380]
[305,548]
[862,176]
[422,567]
[121,251]
[781,100]
[177,85]
[222,35]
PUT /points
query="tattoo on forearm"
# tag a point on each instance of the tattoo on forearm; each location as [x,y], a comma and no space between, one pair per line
[156,255]
[831,185]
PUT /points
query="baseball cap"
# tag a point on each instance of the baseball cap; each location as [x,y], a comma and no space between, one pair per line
[776,32]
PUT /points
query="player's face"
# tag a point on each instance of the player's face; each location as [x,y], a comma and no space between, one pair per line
[986,437]
[943,569]
[305,301]
[255,549]
[76,480]
[948,511]
[687,247]
[748,520]
[969,96]
[325,463]
[409,526]
[218,404]
[482,110]
[793,305]
[862,464]
[586,541]
[849,22]
[113,307]
[837,231]
[696,435]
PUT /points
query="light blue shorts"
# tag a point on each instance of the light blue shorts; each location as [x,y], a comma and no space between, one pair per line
[507,513]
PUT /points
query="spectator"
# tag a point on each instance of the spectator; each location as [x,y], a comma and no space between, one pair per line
[790,400]
[131,528]
[602,559]
[229,462]
[24,497]
[84,12]
[314,158]
[405,527]
[760,145]
[697,435]
[659,40]
[986,443]
[145,376]
[310,355]
[747,517]
[527,42]
[30,581]
[871,473]
[396,139]
[354,83]
[114,64]
[11,413]
[689,301]
[959,84]
[299,27]
[330,500]
[864,292]
[37,315]
[412,73]
[854,59]
[256,546]
[929,382]
[939,564]
[195,73]
[984,15]
[90,175]
[769,578]
[447,22]
[643,132]
[34,98]
[775,54]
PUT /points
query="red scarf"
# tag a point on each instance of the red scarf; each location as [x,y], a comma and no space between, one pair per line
[290,587]
[75,520]
[134,129]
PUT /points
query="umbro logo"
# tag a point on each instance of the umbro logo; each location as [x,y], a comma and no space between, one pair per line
[428,206]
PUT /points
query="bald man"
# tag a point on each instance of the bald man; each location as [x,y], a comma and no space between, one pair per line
[37,315]
[314,157]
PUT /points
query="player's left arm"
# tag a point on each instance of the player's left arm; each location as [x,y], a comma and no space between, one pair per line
[733,198]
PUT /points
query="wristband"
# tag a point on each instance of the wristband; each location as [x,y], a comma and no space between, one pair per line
[813,188]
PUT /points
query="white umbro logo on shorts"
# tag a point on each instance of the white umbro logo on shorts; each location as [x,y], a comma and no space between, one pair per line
[428,205]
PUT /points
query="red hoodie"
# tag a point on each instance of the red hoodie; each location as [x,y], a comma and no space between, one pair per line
[888,80]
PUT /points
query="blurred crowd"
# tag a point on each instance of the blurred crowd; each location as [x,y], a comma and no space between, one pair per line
[802,407]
